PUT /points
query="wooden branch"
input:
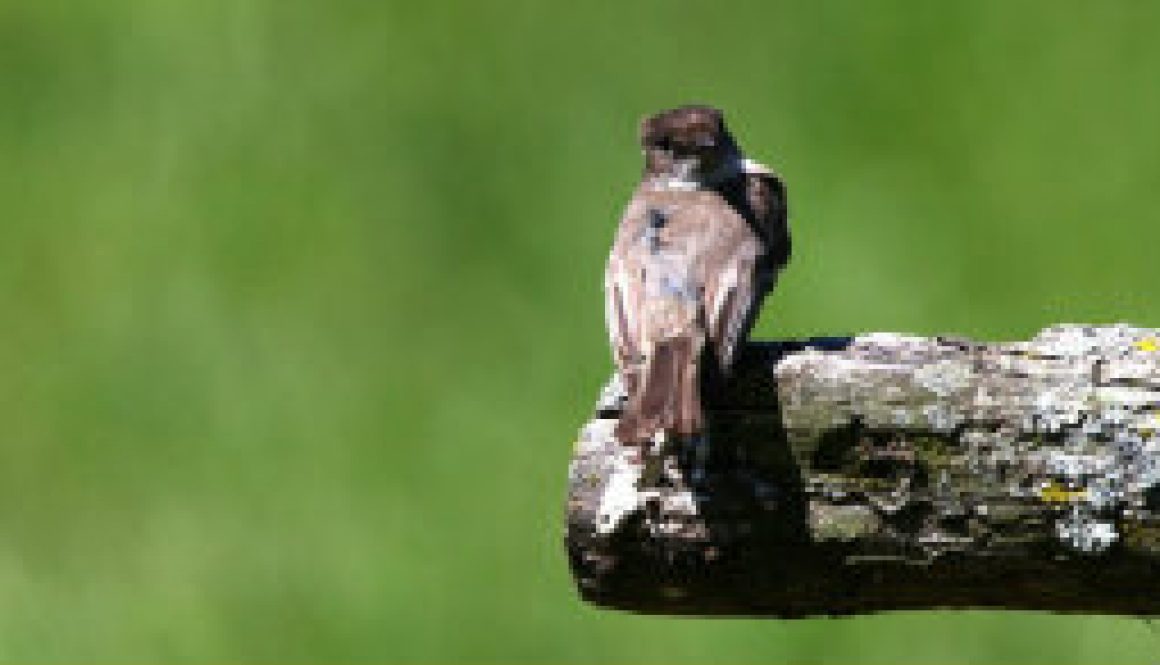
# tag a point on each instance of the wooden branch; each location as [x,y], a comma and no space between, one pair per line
[887,471]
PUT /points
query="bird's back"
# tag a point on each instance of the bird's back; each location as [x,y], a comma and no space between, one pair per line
[670,253]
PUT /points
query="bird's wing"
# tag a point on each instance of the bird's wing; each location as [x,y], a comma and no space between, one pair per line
[618,313]
[765,194]
[748,266]
[733,294]
[623,296]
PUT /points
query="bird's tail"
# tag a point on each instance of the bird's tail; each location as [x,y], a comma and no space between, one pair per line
[664,393]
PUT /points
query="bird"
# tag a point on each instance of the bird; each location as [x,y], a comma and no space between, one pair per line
[700,243]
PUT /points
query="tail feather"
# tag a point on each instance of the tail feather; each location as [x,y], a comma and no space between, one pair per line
[665,393]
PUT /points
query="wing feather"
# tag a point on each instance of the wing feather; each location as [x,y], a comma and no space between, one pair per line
[620,313]
[733,299]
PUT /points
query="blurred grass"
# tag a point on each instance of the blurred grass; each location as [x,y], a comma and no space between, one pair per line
[302,300]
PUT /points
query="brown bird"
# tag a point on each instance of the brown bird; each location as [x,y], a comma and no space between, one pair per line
[699,246]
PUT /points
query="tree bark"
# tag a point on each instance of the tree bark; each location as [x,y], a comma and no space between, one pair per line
[885,471]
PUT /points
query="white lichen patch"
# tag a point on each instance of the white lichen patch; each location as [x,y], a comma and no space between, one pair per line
[945,377]
[842,522]
[621,495]
[1085,534]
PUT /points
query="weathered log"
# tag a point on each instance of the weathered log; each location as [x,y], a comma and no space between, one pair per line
[885,471]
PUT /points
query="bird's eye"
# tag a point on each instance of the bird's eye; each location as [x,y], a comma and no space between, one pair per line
[664,143]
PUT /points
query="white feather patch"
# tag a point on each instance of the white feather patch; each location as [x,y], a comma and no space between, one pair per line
[756,168]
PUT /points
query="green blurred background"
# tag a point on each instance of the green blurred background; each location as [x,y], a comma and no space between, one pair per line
[302,300]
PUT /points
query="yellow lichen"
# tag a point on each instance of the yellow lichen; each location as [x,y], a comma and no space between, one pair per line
[1055,493]
[1148,344]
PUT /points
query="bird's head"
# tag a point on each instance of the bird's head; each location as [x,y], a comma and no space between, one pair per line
[688,147]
